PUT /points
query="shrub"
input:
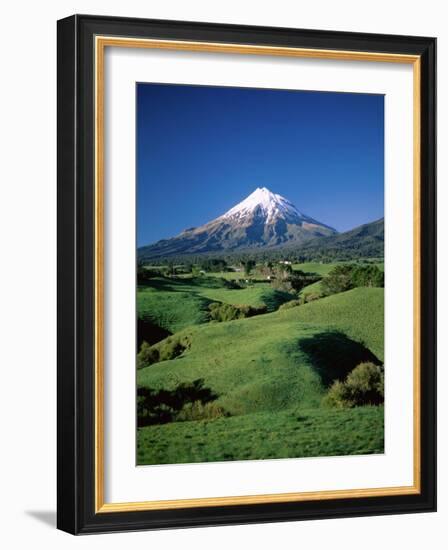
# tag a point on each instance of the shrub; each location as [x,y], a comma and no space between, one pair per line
[167,349]
[201,411]
[337,397]
[251,311]
[290,304]
[147,356]
[170,349]
[288,280]
[311,297]
[223,312]
[159,406]
[363,386]
[227,312]
[366,383]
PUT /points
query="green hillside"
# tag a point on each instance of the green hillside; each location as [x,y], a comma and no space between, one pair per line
[175,304]
[278,360]
[315,267]
[315,290]
[364,241]
[256,296]
[287,434]
[171,310]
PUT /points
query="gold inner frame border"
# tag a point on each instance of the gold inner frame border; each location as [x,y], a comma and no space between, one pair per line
[100,44]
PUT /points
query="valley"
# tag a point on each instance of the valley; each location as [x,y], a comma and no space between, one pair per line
[251,388]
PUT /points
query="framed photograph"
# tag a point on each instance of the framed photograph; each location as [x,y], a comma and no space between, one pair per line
[246,270]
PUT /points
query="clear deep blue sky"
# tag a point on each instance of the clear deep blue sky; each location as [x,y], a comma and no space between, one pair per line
[202,149]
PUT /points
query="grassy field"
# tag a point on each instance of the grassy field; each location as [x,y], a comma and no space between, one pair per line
[175,304]
[315,289]
[314,267]
[257,295]
[271,362]
[287,434]
[172,311]
[266,372]
[324,269]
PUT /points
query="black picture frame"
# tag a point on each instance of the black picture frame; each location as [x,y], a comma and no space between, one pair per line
[76,286]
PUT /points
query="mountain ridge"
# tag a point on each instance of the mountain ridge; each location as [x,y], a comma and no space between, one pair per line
[366,240]
[262,220]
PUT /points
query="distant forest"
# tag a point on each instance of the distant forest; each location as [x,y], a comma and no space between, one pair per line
[366,241]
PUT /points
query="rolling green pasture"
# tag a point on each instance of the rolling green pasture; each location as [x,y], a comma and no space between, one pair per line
[256,296]
[267,372]
[270,361]
[171,310]
[287,434]
[315,267]
[175,304]
[314,289]
[325,268]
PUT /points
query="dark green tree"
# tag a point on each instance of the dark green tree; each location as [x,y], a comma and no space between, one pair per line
[248,266]
[338,280]
[368,275]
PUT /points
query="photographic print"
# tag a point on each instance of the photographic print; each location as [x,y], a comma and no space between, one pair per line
[230,308]
[260,274]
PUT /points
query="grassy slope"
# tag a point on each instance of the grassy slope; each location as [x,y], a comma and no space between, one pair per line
[171,310]
[314,267]
[175,304]
[264,363]
[323,269]
[314,288]
[287,434]
[256,296]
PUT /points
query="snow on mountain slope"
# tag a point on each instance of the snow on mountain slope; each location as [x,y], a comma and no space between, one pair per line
[269,204]
[263,219]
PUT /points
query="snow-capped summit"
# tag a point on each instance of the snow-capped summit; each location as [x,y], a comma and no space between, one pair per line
[262,219]
[267,204]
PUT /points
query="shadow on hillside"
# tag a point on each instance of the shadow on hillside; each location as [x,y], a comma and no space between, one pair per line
[186,284]
[148,331]
[164,283]
[334,355]
[274,300]
[162,406]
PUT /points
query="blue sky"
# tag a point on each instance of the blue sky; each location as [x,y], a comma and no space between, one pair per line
[202,149]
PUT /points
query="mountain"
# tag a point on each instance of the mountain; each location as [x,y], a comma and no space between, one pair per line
[263,219]
[366,240]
